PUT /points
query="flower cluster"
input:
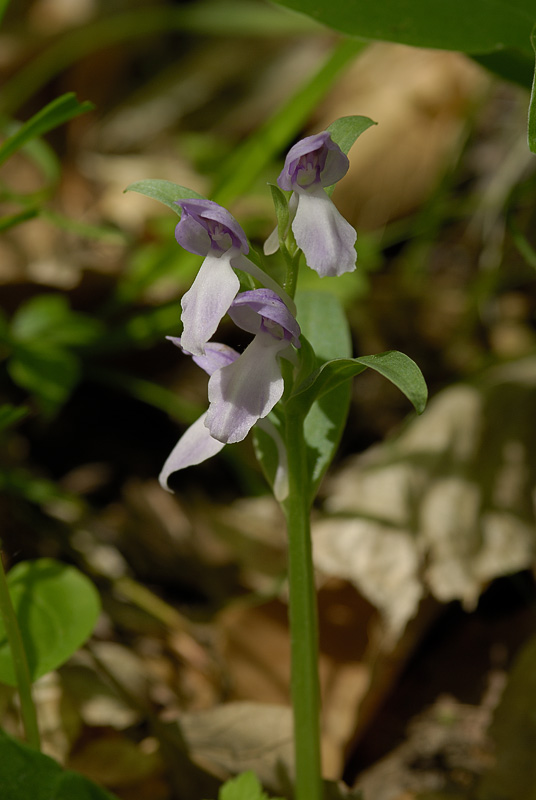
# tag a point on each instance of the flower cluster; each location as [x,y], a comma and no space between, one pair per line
[244,388]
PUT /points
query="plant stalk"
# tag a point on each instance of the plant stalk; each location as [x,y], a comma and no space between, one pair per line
[20,663]
[305,687]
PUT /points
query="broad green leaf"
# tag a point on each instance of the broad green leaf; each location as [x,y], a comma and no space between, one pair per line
[478,26]
[510,65]
[324,324]
[25,773]
[532,104]
[51,116]
[396,367]
[50,373]
[56,607]
[48,320]
[164,191]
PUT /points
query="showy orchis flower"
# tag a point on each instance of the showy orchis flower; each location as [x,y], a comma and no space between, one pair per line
[209,230]
[196,444]
[321,232]
[242,389]
[247,390]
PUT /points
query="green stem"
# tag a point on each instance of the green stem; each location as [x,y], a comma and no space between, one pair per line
[20,663]
[291,277]
[303,619]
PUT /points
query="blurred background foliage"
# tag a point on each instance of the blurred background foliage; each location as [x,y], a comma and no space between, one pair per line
[209,94]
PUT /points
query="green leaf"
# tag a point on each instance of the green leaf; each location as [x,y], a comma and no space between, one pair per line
[56,607]
[21,483]
[324,324]
[49,373]
[51,116]
[48,320]
[83,229]
[26,773]
[396,367]
[164,191]
[510,65]
[245,786]
[11,220]
[480,26]
[3,5]
[10,414]
[532,104]
[512,775]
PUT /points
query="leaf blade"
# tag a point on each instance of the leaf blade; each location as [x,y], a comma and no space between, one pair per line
[398,368]
[24,773]
[56,606]
[481,26]
[55,113]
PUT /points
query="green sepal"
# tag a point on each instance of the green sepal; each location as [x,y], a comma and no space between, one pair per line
[345,131]
[165,192]
[307,361]
[281,212]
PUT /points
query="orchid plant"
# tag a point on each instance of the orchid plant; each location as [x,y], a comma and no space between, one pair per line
[291,385]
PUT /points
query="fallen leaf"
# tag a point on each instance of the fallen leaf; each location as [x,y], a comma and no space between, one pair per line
[237,737]
[445,507]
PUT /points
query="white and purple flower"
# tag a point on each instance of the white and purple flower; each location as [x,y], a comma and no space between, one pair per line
[242,389]
[321,232]
[209,230]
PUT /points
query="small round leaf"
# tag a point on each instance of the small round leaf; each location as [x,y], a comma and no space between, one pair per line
[56,607]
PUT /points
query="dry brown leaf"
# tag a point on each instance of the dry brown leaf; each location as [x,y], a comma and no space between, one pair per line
[443,508]
[447,746]
[236,737]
